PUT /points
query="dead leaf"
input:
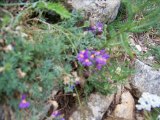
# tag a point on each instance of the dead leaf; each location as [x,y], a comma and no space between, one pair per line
[20,73]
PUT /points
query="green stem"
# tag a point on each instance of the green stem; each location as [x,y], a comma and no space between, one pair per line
[18,17]
[78,98]
[157,110]
[147,115]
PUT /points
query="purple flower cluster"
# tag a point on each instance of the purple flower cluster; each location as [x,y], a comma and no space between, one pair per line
[24,104]
[95,29]
[91,57]
[98,27]
[56,114]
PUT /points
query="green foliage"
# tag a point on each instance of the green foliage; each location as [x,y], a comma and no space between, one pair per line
[55,7]
[43,56]
[106,80]
[135,16]
[155,51]
[39,7]
[38,60]
[152,115]
[48,50]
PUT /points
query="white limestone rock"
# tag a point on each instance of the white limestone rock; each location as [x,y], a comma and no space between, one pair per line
[146,79]
[125,110]
[95,108]
[104,11]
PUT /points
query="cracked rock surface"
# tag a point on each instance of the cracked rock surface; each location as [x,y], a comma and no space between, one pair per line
[146,79]
[96,106]
[104,11]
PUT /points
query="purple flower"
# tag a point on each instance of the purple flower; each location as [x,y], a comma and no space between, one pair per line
[102,52]
[93,27]
[77,82]
[102,55]
[99,66]
[55,114]
[84,54]
[81,56]
[99,26]
[24,104]
[87,62]
[97,53]
[92,57]
[106,56]
[23,96]
[101,60]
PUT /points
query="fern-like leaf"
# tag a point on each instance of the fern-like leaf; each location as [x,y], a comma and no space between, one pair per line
[56,7]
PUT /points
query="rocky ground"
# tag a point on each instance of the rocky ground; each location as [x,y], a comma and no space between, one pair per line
[121,104]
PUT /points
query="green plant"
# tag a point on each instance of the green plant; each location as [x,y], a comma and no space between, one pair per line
[36,55]
[31,64]
[118,43]
[147,13]
[156,52]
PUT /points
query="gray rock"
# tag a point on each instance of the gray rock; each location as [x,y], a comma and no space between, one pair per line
[96,107]
[104,11]
[99,104]
[125,110]
[146,79]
